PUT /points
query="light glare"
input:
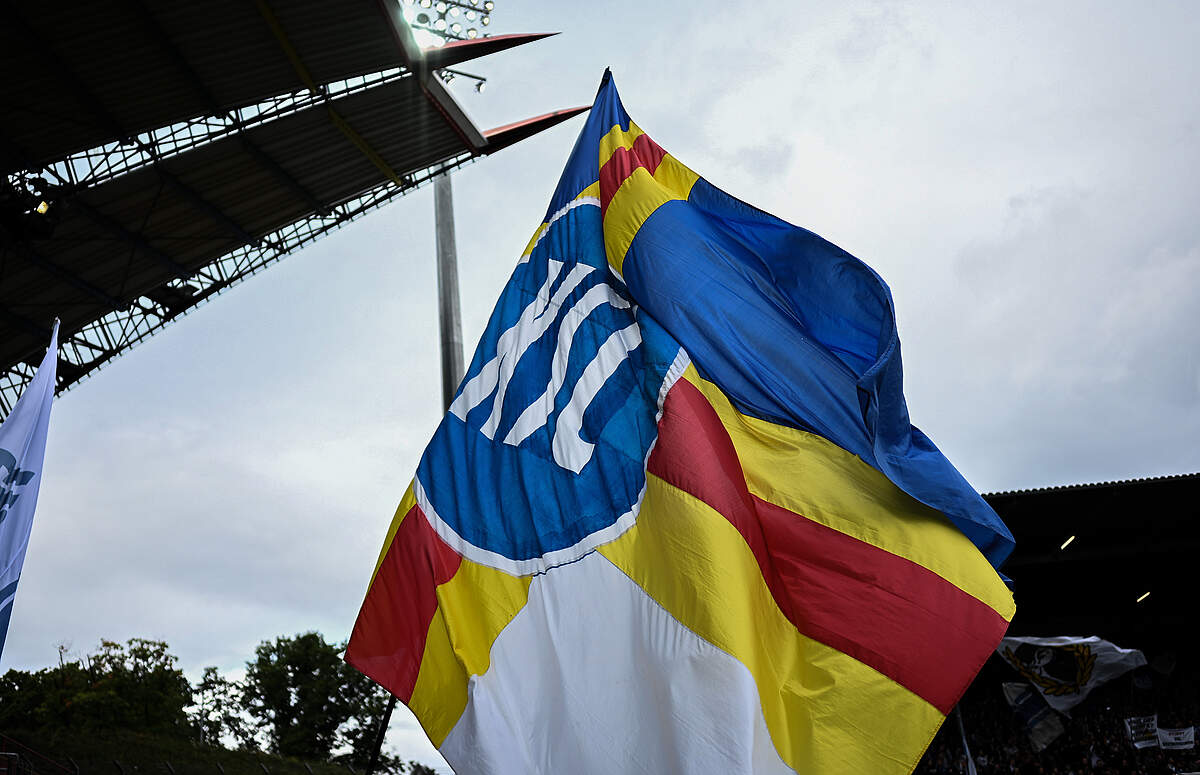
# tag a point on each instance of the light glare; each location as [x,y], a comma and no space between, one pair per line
[426,39]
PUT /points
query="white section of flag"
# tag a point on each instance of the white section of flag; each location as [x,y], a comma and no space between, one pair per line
[570,691]
[1065,669]
[1177,739]
[1142,731]
[22,450]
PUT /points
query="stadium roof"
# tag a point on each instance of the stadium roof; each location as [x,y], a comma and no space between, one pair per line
[1087,554]
[156,153]
[78,76]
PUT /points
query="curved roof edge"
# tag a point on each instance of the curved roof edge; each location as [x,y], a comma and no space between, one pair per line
[1094,485]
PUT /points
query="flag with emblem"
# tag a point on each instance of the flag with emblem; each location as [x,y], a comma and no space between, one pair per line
[1065,669]
[676,518]
[22,448]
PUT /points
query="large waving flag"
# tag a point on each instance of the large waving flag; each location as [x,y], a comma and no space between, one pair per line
[677,519]
[22,449]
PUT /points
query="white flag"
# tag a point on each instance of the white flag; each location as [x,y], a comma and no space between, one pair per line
[1177,739]
[1143,731]
[22,449]
[1065,669]
[1042,723]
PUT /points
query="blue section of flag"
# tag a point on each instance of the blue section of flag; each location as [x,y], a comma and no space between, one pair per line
[792,328]
[797,331]
[7,595]
[583,165]
[522,501]
[22,450]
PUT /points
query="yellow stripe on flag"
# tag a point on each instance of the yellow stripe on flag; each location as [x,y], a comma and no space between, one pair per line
[637,199]
[618,138]
[809,475]
[640,194]
[826,711]
[473,607]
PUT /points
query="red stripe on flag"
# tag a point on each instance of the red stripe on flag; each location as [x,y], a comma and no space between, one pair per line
[886,611]
[644,153]
[388,641]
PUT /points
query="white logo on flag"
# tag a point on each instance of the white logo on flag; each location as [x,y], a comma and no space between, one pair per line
[11,482]
[570,450]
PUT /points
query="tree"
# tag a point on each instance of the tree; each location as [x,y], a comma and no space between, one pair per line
[217,717]
[132,686]
[309,703]
[369,702]
[294,694]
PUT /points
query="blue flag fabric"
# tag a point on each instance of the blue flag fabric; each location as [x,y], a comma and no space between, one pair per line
[22,451]
[737,287]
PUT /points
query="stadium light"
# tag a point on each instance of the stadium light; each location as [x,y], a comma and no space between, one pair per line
[1066,543]
[448,74]
[436,23]
[1143,597]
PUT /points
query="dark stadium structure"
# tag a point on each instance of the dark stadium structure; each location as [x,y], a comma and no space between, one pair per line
[1129,538]
[153,154]
[1112,559]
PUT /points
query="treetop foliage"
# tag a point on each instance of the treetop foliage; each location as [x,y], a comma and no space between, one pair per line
[298,699]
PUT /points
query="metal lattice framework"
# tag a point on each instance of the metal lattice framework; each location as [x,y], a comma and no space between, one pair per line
[189,168]
[108,161]
[92,347]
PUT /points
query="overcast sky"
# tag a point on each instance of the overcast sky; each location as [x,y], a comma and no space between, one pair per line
[1024,176]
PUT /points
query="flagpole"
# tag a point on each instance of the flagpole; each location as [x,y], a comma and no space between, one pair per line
[449,317]
[962,730]
[450,336]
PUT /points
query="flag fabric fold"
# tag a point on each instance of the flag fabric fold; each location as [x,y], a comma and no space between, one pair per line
[1065,669]
[1041,723]
[676,518]
[22,450]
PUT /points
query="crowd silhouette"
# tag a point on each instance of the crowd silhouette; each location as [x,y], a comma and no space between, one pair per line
[1094,738]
